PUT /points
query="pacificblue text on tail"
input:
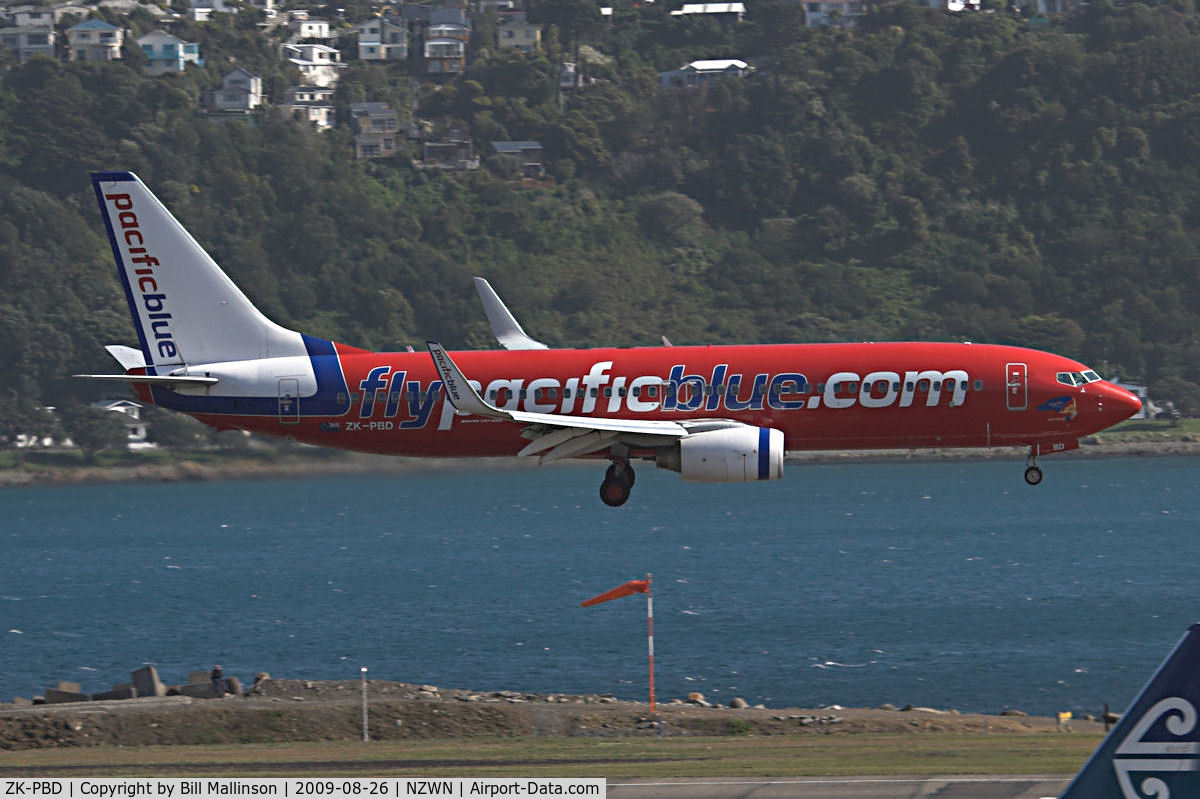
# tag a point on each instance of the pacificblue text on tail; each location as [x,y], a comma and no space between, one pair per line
[1154,750]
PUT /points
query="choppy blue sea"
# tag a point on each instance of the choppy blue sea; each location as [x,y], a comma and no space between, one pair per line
[942,584]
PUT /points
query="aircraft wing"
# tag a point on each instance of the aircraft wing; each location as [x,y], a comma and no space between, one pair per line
[565,436]
[505,327]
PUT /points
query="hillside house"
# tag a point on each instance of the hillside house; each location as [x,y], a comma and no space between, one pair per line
[375,127]
[29,16]
[453,151]
[703,73]
[202,10]
[835,13]
[382,39]
[515,32]
[446,48]
[95,40]
[308,29]
[240,93]
[319,64]
[131,417]
[166,53]
[29,41]
[528,153]
[722,12]
[311,104]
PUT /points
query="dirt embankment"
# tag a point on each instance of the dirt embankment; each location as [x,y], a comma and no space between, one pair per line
[300,710]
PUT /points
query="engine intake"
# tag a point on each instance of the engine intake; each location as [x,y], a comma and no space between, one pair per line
[731,455]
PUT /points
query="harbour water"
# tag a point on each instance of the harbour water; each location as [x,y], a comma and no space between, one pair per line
[947,584]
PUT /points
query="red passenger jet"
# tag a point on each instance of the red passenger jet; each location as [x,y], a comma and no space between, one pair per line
[713,414]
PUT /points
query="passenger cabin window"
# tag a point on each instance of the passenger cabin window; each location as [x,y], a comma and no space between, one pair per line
[979,385]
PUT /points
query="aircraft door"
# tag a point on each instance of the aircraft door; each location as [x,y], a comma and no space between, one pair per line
[1016,382]
[289,400]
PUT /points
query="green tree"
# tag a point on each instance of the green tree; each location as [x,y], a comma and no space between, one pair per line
[93,430]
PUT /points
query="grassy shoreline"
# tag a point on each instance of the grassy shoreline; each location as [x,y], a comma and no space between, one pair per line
[759,756]
[282,459]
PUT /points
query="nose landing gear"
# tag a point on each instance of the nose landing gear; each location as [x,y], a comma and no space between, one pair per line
[1033,474]
[618,483]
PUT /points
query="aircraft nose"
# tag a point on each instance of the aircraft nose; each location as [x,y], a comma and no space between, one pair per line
[1121,404]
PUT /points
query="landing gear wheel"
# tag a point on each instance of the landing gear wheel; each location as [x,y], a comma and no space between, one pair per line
[621,472]
[618,483]
[1033,475]
[614,493]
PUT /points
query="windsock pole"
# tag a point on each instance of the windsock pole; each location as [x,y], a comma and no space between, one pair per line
[650,636]
[626,589]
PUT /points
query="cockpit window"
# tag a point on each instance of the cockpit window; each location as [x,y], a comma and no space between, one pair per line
[1077,378]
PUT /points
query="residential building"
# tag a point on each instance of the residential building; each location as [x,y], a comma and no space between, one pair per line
[319,64]
[529,153]
[127,6]
[375,127]
[95,40]
[835,13]
[240,93]
[495,6]
[454,151]
[703,73]
[131,417]
[29,41]
[166,53]
[720,11]
[514,31]
[308,28]
[267,6]
[311,104]
[29,16]
[382,39]
[446,41]
[202,10]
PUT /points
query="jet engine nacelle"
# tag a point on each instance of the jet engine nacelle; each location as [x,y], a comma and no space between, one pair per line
[730,455]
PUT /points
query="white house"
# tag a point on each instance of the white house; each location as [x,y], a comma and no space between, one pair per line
[29,41]
[311,104]
[26,16]
[166,53]
[382,39]
[135,428]
[202,10]
[308,28]
[95,40]
[319,64]
[732,11]
[703,73]
[240,93]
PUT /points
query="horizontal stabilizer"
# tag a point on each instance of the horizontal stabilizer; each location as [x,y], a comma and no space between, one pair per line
[128,357]
[153,380]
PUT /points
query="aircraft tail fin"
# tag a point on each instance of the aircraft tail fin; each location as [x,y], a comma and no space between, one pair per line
[185,309]
[1154,750]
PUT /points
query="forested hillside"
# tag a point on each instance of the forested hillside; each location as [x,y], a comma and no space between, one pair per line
[925,176]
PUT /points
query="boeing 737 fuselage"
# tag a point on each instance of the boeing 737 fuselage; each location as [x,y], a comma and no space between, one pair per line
[714,414]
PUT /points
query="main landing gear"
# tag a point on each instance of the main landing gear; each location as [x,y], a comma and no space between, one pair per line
[1033,475]
[618,483]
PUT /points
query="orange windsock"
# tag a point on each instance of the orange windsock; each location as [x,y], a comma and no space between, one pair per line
[625,589]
